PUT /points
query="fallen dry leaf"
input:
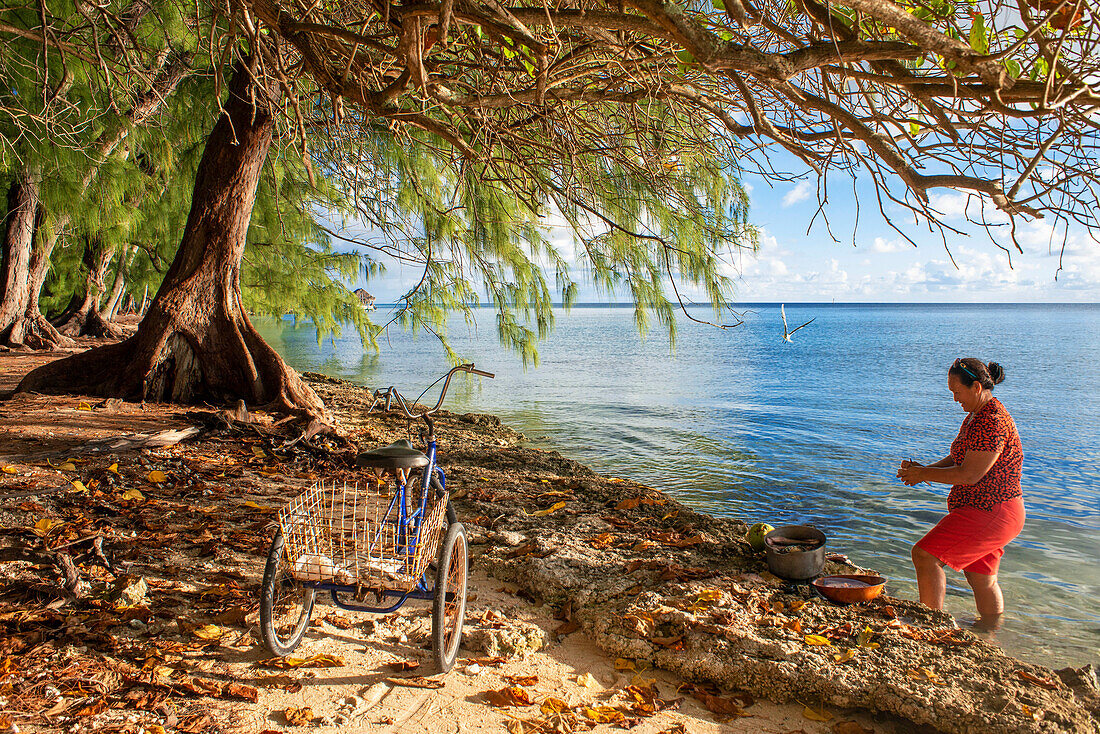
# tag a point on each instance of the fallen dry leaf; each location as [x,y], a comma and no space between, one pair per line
[8,469]
[795,625]
[314,661]
[850,727]
[722,705]
[156,476]
[233,616]
[338,621]
[1050,685]
[288,684]
[553,706]
[543,513]
[403,665]
[45,526]
[816,715]
[604,715]
[239,690]
[865,636]
[195,724]
[923,674]
[680,728]
[298,716]
[510,696]
[208,632]
[817,640]
[843,657]
[494,662]
[133,494]
[521,680]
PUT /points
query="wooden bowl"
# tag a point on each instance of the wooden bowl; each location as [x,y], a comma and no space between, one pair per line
[849,588]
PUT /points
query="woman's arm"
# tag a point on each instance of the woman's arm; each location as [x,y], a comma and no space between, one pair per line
[945,461]
[974,466]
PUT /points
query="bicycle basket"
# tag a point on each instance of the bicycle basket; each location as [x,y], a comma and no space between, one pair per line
[351,535]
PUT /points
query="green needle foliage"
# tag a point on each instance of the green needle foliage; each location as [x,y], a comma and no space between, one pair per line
[648,227]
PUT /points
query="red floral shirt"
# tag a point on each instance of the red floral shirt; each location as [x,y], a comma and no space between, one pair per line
[990,429]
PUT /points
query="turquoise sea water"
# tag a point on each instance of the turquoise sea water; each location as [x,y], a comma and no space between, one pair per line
[740,423]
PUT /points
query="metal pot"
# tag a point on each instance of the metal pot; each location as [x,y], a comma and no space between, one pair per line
[796,565]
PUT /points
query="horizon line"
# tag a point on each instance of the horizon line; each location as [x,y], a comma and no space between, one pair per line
[741,304]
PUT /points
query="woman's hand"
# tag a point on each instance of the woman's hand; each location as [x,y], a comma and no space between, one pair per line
[911,472]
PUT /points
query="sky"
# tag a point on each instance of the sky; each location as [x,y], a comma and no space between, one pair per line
[799,261]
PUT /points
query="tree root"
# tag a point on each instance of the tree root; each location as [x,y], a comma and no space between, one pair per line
[165,367]
[35,332]
[89,323]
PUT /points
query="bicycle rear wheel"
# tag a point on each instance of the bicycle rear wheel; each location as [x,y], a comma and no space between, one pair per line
[449,603]
[285,603]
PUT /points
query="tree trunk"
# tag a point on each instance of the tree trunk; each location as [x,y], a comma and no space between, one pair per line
[23,272]
[16,248]
[196,341]
[110,309]
[82,317]
[32,329]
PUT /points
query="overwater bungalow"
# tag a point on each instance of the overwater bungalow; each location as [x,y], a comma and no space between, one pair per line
[366,299]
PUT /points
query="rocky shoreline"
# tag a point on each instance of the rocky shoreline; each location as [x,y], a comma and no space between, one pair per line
[650,581]
[654,582]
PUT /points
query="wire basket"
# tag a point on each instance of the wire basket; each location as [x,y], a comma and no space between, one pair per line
[348,535]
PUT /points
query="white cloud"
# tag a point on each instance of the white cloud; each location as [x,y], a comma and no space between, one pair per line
[951,204]
[961,205]
[882,244]
[801,192]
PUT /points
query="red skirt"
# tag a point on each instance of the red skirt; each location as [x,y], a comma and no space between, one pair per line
[969,539]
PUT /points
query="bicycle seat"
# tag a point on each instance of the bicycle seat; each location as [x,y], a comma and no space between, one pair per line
[398,455]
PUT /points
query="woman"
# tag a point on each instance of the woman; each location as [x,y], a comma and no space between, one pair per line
[985,506]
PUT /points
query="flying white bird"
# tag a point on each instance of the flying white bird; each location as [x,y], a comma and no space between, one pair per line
[787,334]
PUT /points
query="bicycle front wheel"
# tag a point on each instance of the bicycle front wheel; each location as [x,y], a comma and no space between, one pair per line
[449,603]
[285,603]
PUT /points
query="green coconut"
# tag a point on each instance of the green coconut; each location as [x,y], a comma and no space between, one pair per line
[756,535]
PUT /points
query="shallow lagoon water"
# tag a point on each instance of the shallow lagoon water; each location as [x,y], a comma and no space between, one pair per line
[738,422]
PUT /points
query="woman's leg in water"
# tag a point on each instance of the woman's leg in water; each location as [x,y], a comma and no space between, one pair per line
[988,599]
[931,579]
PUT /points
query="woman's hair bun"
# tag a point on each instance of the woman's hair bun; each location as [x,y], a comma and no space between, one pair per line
[997,372]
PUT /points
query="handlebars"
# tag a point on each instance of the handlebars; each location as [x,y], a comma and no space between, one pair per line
[393,397]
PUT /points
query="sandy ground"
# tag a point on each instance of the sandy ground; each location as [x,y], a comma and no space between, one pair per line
[460,707]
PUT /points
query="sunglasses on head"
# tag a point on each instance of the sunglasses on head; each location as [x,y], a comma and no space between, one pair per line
[959,363]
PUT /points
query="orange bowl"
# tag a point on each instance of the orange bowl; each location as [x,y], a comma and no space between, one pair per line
[849,588]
